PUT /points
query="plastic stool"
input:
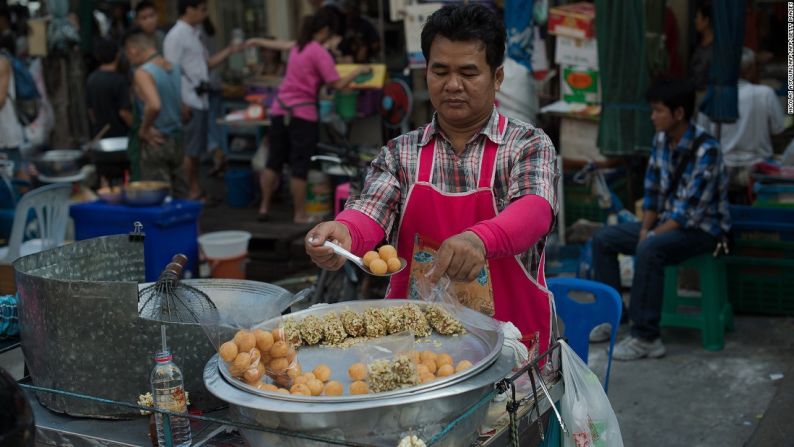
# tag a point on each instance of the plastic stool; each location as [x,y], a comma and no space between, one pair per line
[340,197]
[715,313]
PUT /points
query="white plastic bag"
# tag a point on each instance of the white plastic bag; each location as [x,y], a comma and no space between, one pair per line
[586,411]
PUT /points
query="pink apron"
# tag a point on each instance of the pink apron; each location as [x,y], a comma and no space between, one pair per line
[432,214]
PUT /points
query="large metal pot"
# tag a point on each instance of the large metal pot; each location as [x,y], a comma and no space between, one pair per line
[146,193]
[59,163]
[109,155]
[371,422]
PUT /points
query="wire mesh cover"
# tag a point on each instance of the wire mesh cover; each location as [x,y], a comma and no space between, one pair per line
[170,301]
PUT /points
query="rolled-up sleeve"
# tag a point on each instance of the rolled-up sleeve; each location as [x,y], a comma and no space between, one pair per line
[380,197]
[535,170]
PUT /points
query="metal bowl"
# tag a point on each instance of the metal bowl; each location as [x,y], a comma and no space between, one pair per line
[59,163]
[146,193]
[111,195]
[371,422]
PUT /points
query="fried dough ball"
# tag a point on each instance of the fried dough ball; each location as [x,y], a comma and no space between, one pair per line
[242,361]
[278,366]
[294,370]
[291,355]
[279,349]
[427,355]
[278,334]
[244,340]
[369,257]
[228,351]
[333,388]
[264,340]
[421,368]
[426,377]
[431,366]
[393,264]
[357,371]
[315,386]
[444,359]
[378,267]
[251,376]
[359,387]
[300,380]
[267,387]
[322,372]
[445,370]
[282,391]
[387,252]
[300,389]
[463,364]
[309,376]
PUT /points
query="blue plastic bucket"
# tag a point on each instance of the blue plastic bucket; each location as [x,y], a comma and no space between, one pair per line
[239,188]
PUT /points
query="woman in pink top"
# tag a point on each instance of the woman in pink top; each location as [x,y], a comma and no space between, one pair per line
[294,127]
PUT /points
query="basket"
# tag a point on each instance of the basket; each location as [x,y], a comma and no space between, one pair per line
[760,285]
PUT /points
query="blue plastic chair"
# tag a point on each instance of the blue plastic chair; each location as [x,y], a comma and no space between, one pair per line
[581,317]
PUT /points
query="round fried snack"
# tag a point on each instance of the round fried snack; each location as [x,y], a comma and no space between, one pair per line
[421,369]
[427,355]
[333,388]
[369,257]
[264,340]
[228,351]
[309,375]
[463,364]
[378,267]
[251,376]
[445,370]
[393,265]
[292,354]
[322,372]
[300,380]
[357,371]
[387,252]
[282,391]
[278,366]
[279,349]
[244,340]
[294,370]
[267,387]
[444,359]
[359,387]
[315,386]
[300,389]
[242,361]
[431,366]
[278,334]
[426,377]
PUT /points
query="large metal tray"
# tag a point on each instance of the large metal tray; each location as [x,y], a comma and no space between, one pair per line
[478,345]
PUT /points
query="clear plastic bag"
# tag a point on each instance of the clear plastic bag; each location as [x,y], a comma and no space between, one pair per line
[385,364]
[447,315]
[585,408]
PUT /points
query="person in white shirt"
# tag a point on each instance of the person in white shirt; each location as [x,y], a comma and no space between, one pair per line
[183,47]
[11,133]
[748,141]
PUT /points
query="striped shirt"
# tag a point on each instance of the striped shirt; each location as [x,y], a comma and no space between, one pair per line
[525,164]
[701,198]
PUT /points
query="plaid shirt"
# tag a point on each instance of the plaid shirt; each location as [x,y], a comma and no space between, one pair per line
[701,199]
[525,164]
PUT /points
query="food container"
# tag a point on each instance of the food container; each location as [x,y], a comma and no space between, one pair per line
[146,193]
[110,194]
[224,244]
[59,163]
[378,418]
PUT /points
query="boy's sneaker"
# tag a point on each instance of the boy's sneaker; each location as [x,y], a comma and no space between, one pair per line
[632,348]
[601,333]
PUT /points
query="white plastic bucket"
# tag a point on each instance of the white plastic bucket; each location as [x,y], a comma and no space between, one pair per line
[224,244]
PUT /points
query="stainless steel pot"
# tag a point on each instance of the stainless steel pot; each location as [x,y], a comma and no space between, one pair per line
[371,422]
[59,163]
[109,150]
[146,193]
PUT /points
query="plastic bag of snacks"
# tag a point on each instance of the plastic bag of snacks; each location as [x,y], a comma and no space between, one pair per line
[445,313]
[385,364]
[259,356]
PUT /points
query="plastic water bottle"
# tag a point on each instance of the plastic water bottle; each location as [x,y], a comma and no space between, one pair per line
[168,391]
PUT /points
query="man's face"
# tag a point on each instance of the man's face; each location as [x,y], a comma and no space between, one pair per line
[663,118]
[459,80]
[147,20]
[197,15]
[133,54]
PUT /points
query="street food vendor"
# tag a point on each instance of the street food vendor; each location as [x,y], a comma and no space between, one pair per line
[470,195]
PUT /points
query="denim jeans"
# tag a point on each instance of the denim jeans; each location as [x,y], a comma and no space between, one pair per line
[651,257]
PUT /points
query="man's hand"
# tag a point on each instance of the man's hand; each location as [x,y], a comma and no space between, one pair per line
[461,257]
[324,257]
[151,135]
[185,113]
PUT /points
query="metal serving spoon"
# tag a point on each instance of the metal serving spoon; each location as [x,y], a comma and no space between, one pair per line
[358,261]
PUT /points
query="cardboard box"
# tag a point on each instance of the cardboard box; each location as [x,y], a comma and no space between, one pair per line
[579,84]
[576,20]
[577,52]
[374,80]
[578,139]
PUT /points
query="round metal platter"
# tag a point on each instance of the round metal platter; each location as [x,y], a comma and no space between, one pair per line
[478,345]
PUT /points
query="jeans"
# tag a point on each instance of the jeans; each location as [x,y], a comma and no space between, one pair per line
[651,257]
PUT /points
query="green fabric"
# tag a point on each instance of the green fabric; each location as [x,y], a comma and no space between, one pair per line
[625,126]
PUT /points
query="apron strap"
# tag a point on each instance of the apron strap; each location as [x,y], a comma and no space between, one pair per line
[488,160]
[426,160]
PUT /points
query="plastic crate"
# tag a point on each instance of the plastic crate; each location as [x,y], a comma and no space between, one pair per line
[170,228]
[581,204]
[760,285]
[749,223]
[774,196]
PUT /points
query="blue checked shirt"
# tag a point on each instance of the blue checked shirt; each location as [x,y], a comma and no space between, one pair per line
[701,199]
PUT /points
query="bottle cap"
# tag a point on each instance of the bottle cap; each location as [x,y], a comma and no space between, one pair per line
[163,356]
